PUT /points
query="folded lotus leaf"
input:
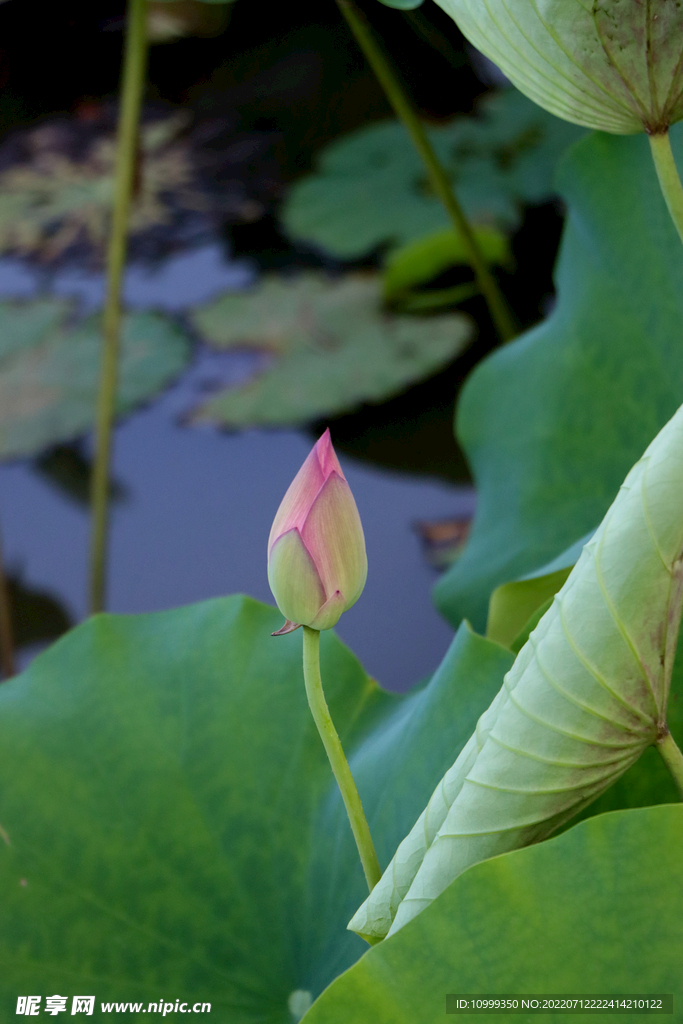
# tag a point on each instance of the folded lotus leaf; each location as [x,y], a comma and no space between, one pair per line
[585,697]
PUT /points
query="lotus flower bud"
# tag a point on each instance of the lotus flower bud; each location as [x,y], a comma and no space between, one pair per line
[615,65]
[317,564]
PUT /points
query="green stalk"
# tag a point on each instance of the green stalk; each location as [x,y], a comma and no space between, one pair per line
[7,663]
[132,86]
[672,757]
[501,315]
[337,759]
[669,180]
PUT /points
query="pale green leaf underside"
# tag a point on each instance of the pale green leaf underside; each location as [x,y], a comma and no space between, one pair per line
[614,65]
[586,695]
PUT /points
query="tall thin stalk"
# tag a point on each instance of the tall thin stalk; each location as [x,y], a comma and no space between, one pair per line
[132,86]
[499,310]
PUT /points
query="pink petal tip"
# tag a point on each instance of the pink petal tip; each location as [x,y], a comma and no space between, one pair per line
[327,457]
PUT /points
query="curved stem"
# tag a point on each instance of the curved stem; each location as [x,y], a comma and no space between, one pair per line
[132,86]
[501,315]
[337,759]
[672,757]
[669,179]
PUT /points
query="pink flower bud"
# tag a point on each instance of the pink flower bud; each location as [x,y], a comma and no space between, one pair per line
[317,564]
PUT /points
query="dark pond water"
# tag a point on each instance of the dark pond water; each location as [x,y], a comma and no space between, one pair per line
[199,502]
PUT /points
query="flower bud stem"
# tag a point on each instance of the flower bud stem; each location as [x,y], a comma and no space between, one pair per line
[669,179]
[335,753]
[501,315]
[132,86]
[673,758]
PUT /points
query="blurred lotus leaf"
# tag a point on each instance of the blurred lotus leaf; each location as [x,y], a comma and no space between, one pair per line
[52,201]
[56,183]
[36,615]
[49,370]
[68,468]
[332,345]
[415,264]
[370,188]
[168,20]
[403,5]
[615,65]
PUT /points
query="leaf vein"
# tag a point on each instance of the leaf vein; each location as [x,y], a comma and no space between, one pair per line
[600,680]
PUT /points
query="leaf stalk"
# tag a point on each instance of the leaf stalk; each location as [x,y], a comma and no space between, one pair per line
[132,87]
[672,757]
[501,315]
[337,758]
[669,178]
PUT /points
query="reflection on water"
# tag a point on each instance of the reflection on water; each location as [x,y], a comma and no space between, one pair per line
[200,502]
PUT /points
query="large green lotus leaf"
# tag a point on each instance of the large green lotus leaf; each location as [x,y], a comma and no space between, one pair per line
[164,805]
[552,422]
[50,367]
[596,910]
[587,695]
[370,188]
[333,347]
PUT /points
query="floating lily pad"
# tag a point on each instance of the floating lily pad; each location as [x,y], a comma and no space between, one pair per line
[371,189]
[57,183]
[53,198]
[49,370]
[332,348]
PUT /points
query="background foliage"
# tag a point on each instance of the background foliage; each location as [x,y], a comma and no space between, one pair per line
[168,823]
